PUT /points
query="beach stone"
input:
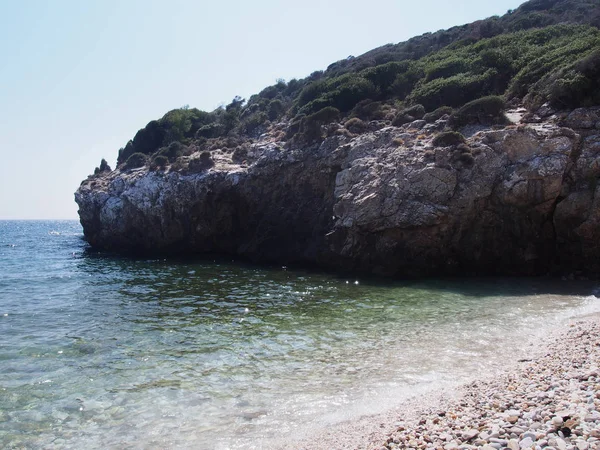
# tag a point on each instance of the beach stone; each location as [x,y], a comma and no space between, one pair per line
[535,426]
[530,435]
[582,445]
[470,434]
[567,420]
[526,443]
[513,444]
[593,417]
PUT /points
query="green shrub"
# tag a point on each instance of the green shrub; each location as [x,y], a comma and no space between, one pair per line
[448,139]
[136,160]
[311,124]
[104,167]
[571,87]
[437,114]
[408,115]
[311,92]
[453,91]
[466,158]
[252,123]
[402,119]
[181,124]
[239,155]
[125,153]
[446,68]
[323,116]
[159,161]
[485,110]
[406,81]
[370,110]
[176,125]
[355,125]
[204,162]
[270,92]
[295,126]
[384,75]
[553,49]
[276,109]
[557,63]
[212,130]
[416,111]
[342,93]
[150,138]
[206,159]
[173,151]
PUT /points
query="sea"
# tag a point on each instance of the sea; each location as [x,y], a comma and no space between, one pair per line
[101,351]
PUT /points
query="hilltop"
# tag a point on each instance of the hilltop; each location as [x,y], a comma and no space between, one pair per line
[469,150]
[544,51]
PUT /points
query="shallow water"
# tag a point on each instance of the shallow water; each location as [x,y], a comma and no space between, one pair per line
[98,351]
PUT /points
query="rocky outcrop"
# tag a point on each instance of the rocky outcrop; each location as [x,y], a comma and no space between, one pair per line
[518,200]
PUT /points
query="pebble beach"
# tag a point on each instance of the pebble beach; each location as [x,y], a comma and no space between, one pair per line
[551,401]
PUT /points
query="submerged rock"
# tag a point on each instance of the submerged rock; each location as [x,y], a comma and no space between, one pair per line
[518,200]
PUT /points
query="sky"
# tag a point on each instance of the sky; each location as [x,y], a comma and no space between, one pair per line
[79,78]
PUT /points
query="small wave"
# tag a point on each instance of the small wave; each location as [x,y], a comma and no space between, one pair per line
[54,233]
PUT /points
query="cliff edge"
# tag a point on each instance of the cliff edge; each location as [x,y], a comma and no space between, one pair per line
[392,200]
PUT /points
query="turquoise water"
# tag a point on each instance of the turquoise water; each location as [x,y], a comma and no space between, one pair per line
[98,351]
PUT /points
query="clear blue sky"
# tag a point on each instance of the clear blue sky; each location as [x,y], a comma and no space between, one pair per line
[79,78]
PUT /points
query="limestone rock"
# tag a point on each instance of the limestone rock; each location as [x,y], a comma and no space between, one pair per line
[519,200]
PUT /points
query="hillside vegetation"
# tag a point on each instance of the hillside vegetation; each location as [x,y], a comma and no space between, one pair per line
[545,51]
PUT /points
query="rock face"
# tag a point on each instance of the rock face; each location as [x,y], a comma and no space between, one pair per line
[518,200]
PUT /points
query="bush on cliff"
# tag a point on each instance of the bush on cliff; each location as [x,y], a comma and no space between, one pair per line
[341,93]
[437,114]
[370,110]
[355,125]
[253,123]
[173,151]
[310,126]
[448,138]
[178,125]
[201,164]
[486,110]
[572,86]
[452,91]
[541,52]
[408,115]
[104,167]
[136,160]
[159,162]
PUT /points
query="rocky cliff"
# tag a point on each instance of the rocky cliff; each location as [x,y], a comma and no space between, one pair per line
[519,199]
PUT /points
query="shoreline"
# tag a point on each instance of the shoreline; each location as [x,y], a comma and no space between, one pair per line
[551,399]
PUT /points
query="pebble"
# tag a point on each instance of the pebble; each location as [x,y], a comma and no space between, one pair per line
[550,403]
